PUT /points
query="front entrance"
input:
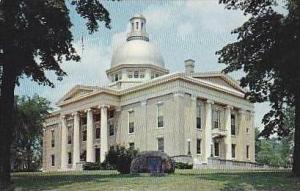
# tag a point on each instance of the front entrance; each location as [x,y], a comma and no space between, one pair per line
[97,155]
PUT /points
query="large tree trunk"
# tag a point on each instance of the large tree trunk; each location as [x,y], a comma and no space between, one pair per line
[296,158]
[6,122]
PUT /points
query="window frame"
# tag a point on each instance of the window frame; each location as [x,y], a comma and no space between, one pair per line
[198,117]
[160,115]
[131,128]
[198,146]
[233,153]
[52,160]
[163,144]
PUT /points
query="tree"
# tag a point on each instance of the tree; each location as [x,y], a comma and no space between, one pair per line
[267,50]
[35,37]
[28,132]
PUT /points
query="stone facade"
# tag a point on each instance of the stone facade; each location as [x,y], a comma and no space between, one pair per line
[197,114]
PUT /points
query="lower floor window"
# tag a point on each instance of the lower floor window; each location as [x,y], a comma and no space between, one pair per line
[52,160]
[233,150]
[69,158]
[247,151]
[198,146]
[97,133]
[131,146]
[160,144]
[216,149]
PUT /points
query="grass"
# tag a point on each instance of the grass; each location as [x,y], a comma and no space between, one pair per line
[185,180]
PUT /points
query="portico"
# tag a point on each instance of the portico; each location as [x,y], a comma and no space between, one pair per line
[90,142]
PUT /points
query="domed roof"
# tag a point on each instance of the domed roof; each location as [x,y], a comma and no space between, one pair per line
[137,52]
[137,49]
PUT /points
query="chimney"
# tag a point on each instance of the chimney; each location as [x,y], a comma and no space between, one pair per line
[189,66]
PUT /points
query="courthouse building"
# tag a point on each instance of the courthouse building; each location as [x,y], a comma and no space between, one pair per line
[198,114]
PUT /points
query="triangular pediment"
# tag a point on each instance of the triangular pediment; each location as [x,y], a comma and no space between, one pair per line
[220,79]
[77,91]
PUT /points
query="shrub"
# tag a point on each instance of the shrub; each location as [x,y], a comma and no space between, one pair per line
[181,165]
[121,158]
[97,166]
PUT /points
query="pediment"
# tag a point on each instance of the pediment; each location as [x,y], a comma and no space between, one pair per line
[221,79]
[77,91]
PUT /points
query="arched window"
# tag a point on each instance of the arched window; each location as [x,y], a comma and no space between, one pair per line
[137,25]
[142,26]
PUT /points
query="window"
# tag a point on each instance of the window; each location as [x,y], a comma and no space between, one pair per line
[247,130]
[247,151]
[137,25]
[131,146]
[84,135]
[130,75]
[98,133]
[52,160]
[132,25]
[97,117]
[152,76]
[216,119]
[216,149]
[52,138]
[160,144]
[111,114]
[111,130]
[198,146]
[142,26]
[156,75]
[69,139]
[232,124]
[83,121]
[116,77]
[189,147]
[160,117]
[233,150]
[69,158]
[136,74]
[198,117]
[111,148]
[131,121]
[142,75]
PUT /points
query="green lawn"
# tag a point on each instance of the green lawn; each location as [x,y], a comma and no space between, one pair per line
[185,180]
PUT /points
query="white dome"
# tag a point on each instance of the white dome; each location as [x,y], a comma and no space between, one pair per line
[137,52]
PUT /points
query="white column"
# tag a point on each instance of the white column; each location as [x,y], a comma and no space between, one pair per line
[228,132]
[90,156]
[103,138]
[76,141]
[64,136]
[208,129]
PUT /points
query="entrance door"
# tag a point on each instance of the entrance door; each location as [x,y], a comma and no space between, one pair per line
[97,154]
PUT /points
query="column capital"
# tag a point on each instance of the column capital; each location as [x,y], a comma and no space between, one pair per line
[229,107]
[88,110]
[104,106]
[76,113]
[210,101]
[242,111]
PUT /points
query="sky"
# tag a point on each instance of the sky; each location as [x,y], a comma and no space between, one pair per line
[181,29]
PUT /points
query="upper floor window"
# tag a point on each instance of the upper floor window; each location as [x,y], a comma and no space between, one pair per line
[160,117]
[198,117]
[156,75]
[216,119]
[83,120]
[52,138]
[97,133]
[111,113]
[160,144]
[84,135]
[142,26]
[233,125]
[136,74]
[137,25]
[111,130]
[131,121]
[129,74]
[97,117]
[116,77]
[69,158]
[69,135]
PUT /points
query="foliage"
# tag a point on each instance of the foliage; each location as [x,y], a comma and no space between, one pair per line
[27,137]
[121,158]
[97,166]
[267,50]
[35,37]
[181,165]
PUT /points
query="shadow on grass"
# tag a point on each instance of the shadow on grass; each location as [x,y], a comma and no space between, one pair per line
[252,181]
[49,181]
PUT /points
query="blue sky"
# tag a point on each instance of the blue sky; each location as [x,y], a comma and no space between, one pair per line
[181,29]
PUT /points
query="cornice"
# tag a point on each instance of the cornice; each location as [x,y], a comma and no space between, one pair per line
[140,66]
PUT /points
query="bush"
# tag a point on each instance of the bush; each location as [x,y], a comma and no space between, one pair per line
[181,165]
[97,166]
[121,158]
